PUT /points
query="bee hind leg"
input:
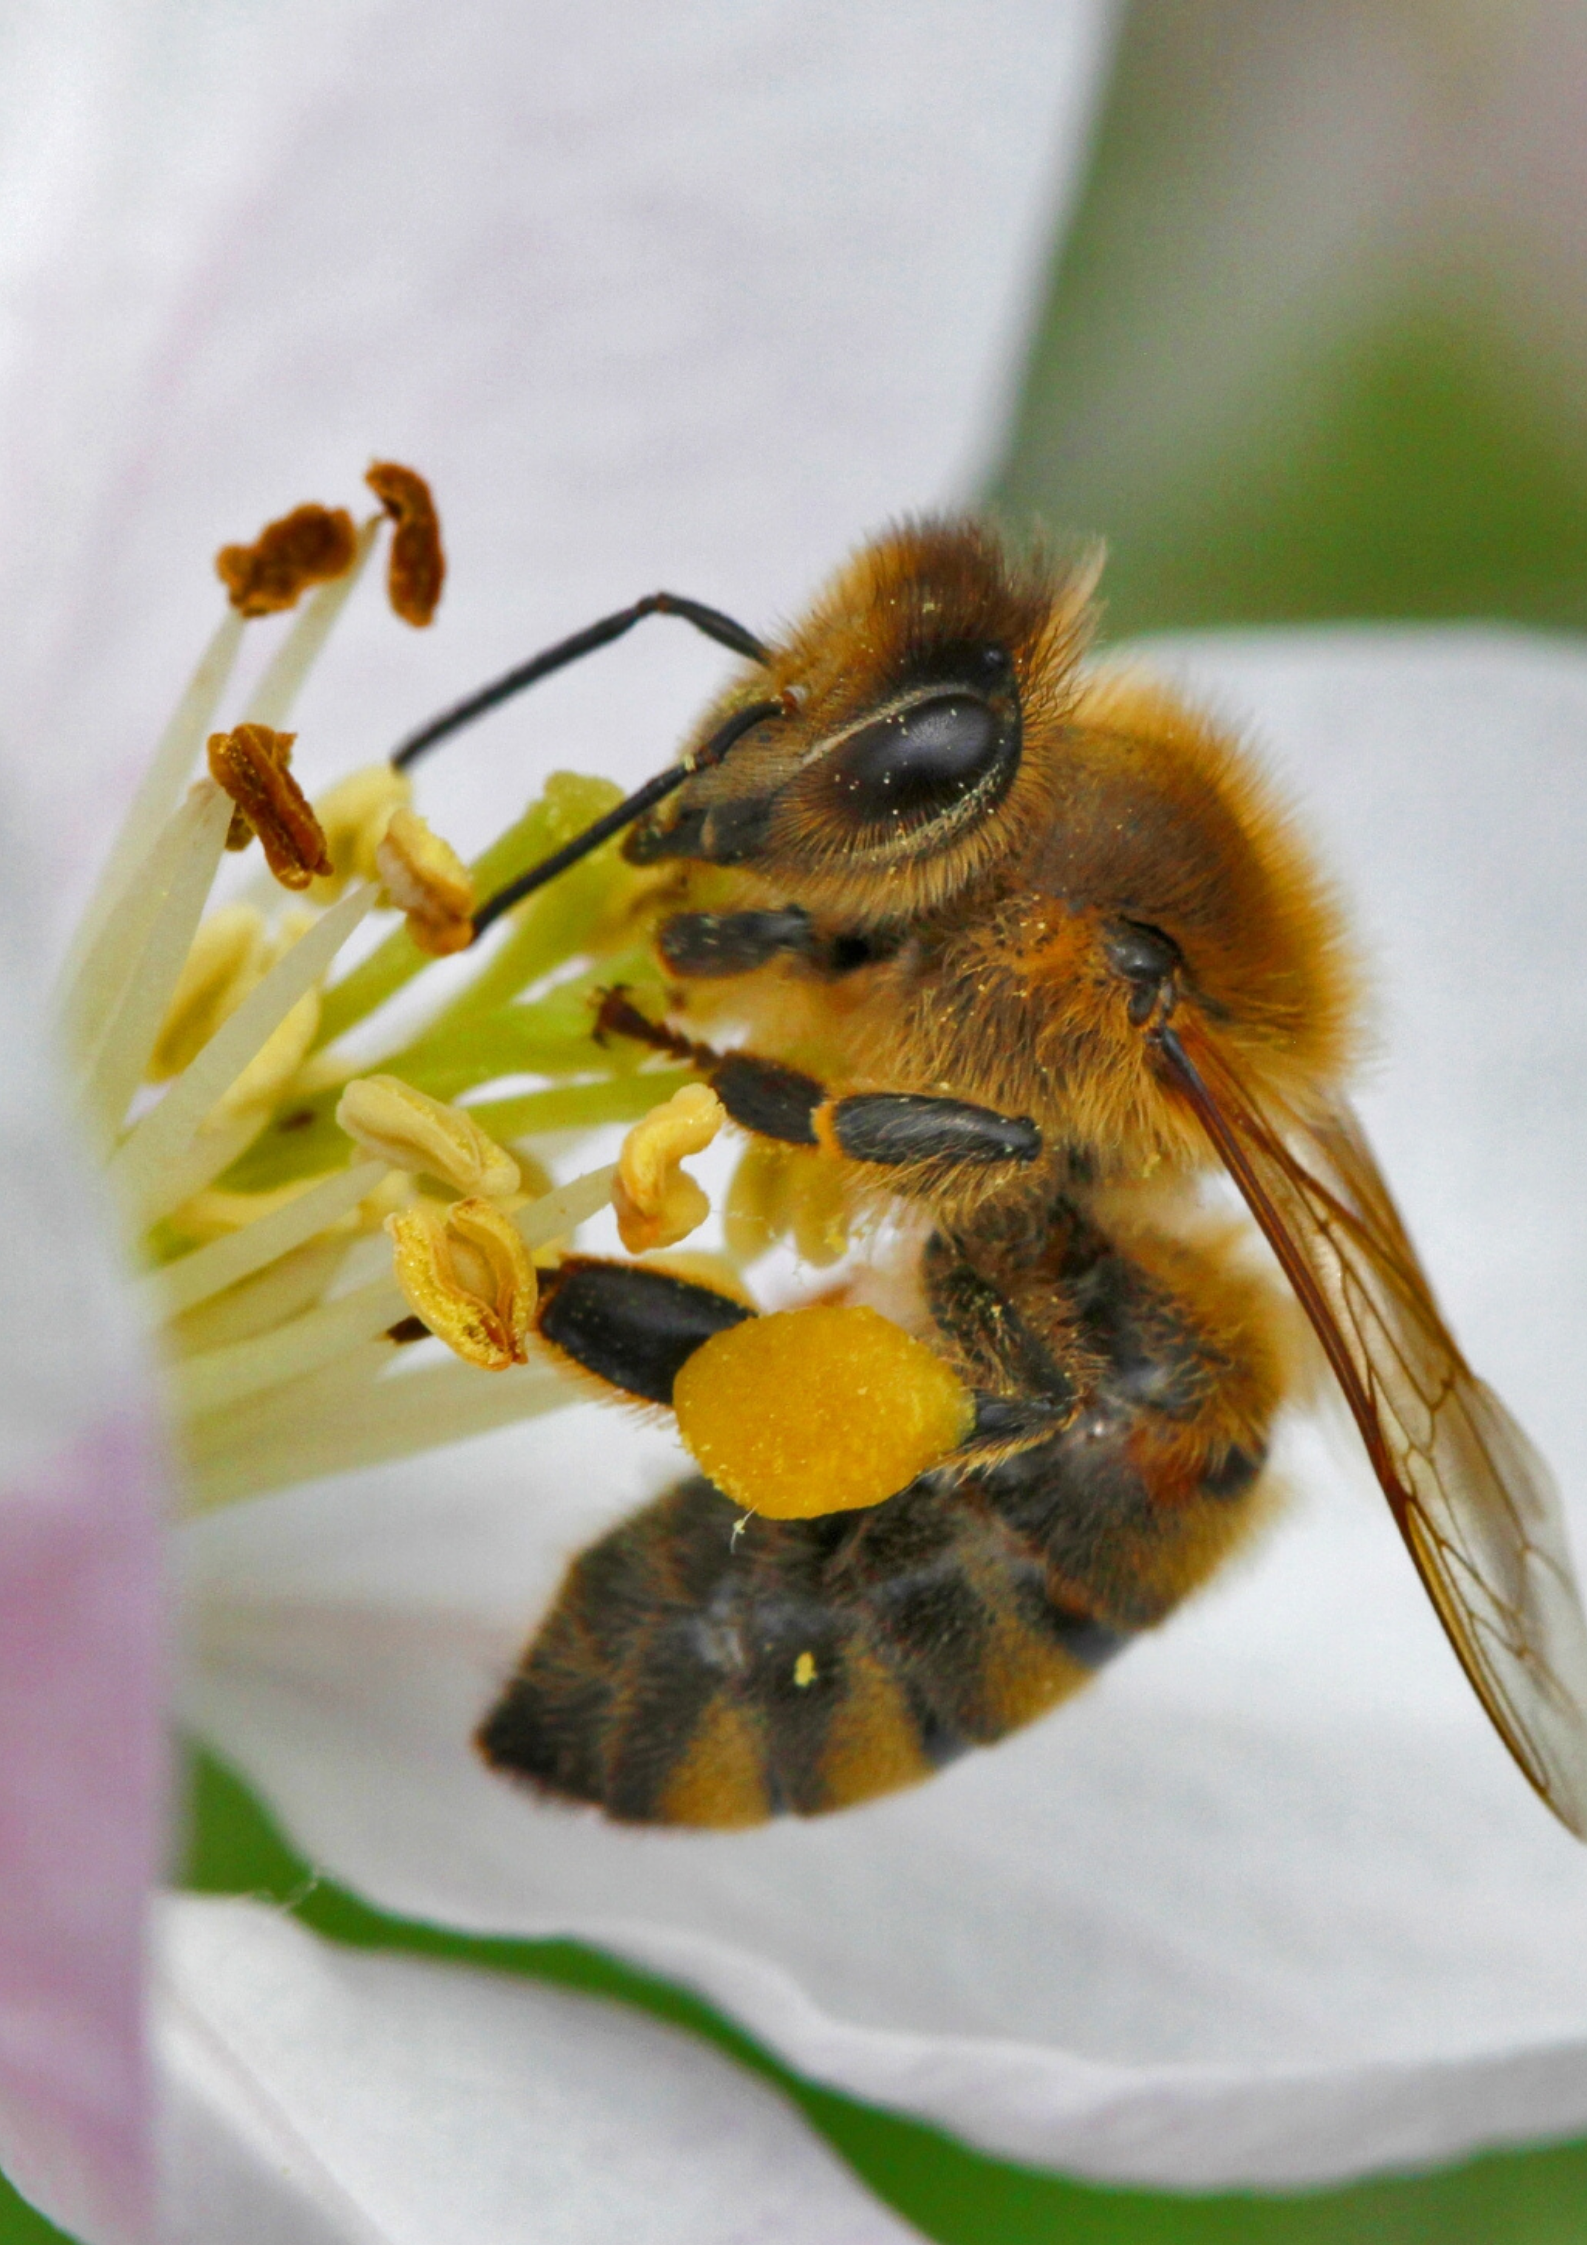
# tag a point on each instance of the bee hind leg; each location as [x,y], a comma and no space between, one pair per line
[631,1326]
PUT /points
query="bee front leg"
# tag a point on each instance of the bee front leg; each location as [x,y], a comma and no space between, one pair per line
[713,946]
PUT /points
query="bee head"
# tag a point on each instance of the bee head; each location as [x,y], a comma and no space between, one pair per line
[898,773]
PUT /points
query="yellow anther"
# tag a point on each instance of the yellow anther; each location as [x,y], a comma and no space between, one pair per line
[412,1131]
[467,1274]
[354,815]
[228,957]
[426,879]
[805,1671]
[825,1409]
[658,1203]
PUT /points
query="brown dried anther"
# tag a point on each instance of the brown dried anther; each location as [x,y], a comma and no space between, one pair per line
[307,547]
[250,763]
[417,569]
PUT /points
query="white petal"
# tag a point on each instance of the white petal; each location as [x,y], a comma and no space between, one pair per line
[692,295]
[1270,1905]
[326,2096]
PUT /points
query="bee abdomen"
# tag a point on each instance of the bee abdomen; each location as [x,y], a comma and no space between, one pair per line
[688,1677]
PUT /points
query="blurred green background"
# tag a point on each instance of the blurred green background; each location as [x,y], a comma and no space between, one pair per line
[1367,428]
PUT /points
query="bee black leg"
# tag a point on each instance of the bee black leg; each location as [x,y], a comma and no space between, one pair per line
[633,1327]
[895,1129]
[709,946]
[892,1128]
[1023,1393]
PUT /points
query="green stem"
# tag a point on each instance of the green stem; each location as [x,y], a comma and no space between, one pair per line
[568,804]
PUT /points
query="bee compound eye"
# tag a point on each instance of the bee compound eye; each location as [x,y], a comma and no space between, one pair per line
[920,761]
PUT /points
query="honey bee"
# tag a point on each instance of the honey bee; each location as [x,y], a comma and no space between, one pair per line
[1027,947]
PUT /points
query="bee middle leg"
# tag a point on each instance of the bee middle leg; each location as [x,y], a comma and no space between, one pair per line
[902,1130]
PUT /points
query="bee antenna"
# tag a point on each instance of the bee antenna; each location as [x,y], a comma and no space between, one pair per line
[710,753]
[711,621]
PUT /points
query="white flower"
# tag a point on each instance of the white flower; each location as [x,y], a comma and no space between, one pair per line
[1269,1904]
[689,295]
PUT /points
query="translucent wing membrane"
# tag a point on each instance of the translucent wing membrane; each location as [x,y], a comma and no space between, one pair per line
[1473,1500]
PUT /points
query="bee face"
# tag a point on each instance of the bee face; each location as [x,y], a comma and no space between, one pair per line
[901,773]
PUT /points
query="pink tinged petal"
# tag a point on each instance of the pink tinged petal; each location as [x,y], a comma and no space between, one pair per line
[81,1794]
[80,1800]
[333,2097]
[1270,1905]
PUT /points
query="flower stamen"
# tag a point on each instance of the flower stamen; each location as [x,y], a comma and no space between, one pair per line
[467,1274]
[416,571]
[157,1167]
[354,816]
[228,957]
[412,1131]
[303,548]
[657,1202]
[251,764]
[427,880]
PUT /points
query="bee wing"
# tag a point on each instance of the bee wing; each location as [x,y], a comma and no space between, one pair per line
[1473,1500]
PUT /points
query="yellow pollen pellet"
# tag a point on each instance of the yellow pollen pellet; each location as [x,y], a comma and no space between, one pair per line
[467,1274]
[805,1671]
[426,879]
[412,1131]
[818,1410]
[658,1203]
